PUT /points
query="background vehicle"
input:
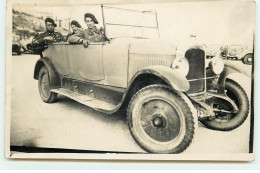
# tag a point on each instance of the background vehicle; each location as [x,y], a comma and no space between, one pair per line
[212,51]
[34,48]
[238,52]
[165,89]
[16,49]
[16,46]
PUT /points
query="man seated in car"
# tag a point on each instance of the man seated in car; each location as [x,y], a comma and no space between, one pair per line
[50,36]
[91,34]
[75,26]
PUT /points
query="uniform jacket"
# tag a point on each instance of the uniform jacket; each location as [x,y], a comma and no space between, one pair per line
[70,34]
[57,37]
[94,35]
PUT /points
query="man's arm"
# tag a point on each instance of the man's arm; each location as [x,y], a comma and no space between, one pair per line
[42,39]
[67,37]
[38,39]
[77,38]
[102,31]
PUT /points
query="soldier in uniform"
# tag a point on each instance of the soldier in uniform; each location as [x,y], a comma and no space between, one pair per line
[75,26]
[50,36]
[91,34]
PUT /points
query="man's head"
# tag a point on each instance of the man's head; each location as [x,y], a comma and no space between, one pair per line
[75,26]
[50,24]
[90,20]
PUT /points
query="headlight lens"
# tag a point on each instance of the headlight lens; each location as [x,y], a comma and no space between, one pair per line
[181,65]
[216,65]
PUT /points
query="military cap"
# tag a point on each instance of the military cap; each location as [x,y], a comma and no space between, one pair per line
[76,23]
[92,17]
[51,21]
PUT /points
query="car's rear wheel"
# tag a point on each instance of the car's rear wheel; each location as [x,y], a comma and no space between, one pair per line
[161,120]
[44,86]
[248,59]
[225,119]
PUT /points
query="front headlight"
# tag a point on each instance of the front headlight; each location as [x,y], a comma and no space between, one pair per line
[181,65]
[216,65]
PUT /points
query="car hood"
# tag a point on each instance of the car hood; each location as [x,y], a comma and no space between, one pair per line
[152,46]
[148,46]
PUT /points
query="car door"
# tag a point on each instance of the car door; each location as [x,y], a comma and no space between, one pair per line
[56,53]
[86,64]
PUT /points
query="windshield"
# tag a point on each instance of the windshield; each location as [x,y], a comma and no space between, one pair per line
[120,22]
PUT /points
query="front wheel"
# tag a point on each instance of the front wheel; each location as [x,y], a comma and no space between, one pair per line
[44,86]
[225,119]
[161,120]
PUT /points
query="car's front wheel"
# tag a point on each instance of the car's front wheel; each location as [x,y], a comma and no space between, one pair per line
[44,86]
[161,120]
[248,59]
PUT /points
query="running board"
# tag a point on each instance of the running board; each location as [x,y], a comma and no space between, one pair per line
[94,103]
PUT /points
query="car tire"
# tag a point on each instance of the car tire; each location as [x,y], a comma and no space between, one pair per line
[44,86]
[161,120]
[246,59]
[227,122]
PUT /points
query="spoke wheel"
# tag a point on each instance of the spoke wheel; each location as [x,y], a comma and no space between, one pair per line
[160,120]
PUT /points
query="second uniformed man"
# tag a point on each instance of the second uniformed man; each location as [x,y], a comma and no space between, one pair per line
[92,34]
[75,28]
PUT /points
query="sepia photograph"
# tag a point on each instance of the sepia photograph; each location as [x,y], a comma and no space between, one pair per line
[130,80]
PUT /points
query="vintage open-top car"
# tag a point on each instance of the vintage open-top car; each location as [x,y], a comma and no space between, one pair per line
[164,88]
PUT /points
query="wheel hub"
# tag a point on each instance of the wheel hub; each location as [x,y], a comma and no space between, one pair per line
[160,120]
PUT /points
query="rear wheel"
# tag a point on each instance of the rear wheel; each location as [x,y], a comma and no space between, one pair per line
[225,119]
[161,120]
[248,59]
[44,86]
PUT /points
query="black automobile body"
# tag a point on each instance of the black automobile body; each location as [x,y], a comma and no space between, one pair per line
[16,49]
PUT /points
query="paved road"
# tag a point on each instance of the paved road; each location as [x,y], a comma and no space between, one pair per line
[71,125]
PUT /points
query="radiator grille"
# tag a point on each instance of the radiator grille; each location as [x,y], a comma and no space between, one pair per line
[196,58]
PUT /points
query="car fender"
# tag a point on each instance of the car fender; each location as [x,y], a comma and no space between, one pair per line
[148,76]
[174,79]
[53,74]
[229,68]
[244,53]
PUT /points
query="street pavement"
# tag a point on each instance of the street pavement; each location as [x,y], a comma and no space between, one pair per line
[70,125]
